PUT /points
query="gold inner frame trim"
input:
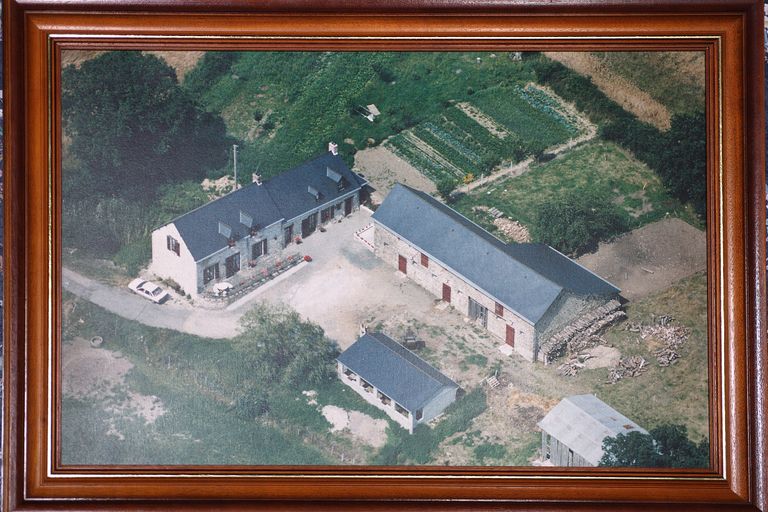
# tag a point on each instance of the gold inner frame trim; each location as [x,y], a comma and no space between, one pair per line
[64,41]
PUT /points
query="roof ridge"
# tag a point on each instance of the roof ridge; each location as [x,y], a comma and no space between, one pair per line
[386,345]
[478,226]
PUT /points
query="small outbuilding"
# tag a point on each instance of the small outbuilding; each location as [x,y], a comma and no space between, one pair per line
[573,432]
[395,380]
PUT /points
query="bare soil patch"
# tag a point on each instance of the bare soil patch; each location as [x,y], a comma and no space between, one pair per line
[77,57]
[383,169]
[623,92]
[651,258]
[483,120]
[98,375]
[181,62]
[361,426]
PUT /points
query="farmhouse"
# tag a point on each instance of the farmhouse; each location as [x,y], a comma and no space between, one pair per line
[394,379]
[523,294]
[255,225]
[573,432]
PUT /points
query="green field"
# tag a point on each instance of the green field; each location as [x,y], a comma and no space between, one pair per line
[597,167]
[453,144]
[677,80]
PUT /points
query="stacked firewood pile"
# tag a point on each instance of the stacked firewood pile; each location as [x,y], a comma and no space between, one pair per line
[671,335]
[627,367]
[574,365]
[581,333]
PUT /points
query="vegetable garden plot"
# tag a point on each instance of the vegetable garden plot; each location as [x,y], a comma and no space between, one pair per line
[500,125]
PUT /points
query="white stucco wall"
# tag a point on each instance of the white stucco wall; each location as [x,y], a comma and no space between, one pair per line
[407,423]
[166,264]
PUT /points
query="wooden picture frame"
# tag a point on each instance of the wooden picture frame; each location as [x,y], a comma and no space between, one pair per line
[729,33]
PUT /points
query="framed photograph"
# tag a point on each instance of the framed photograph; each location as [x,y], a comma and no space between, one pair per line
[437,255]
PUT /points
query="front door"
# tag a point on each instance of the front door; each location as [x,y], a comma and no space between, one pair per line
[478,312]
[446,293]
[308,225]
[347,206]
[510,336]
[288,235]
[402,264]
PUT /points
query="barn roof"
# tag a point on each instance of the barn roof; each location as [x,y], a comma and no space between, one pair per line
[582,422]
[285,196]
[526,278]
[394,370]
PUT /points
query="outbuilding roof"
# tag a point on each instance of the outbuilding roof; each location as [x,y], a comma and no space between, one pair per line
[286,196]
[525,278]
[394,370]
[582,422]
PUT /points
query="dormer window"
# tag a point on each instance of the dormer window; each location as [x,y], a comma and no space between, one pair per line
[245,219]
[225,230]
[314,192]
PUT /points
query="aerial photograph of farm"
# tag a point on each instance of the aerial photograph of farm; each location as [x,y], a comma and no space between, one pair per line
[384,258]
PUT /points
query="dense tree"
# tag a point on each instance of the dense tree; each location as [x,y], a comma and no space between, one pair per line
[132,128]
[682,160]
[279,351]
[665,446]
[575,223]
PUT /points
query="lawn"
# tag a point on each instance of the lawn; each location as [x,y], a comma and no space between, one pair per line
[597,167]
[198,380]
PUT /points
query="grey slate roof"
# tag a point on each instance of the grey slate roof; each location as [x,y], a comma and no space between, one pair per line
[525,278]
[283,197]
[582,422]
[394,370]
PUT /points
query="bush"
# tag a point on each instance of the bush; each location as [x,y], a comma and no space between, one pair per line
[577,222]
[417,448]
[445,187]
[134,256]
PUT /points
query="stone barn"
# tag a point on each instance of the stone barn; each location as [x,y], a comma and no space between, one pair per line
[524,294]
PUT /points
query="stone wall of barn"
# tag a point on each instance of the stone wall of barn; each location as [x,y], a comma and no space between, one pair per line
[431,275]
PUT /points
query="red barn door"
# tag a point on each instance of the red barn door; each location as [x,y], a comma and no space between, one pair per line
[510,336]
[402,264]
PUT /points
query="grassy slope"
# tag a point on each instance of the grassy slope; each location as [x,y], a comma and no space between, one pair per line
[675,394]
[677,80]
[196,379]
[311,97]
[598,166]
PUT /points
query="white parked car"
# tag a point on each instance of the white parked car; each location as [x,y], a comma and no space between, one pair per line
[148,290]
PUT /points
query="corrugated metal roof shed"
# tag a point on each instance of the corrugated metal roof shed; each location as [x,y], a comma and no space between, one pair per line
[394,370]
[582,422]
[526,278]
